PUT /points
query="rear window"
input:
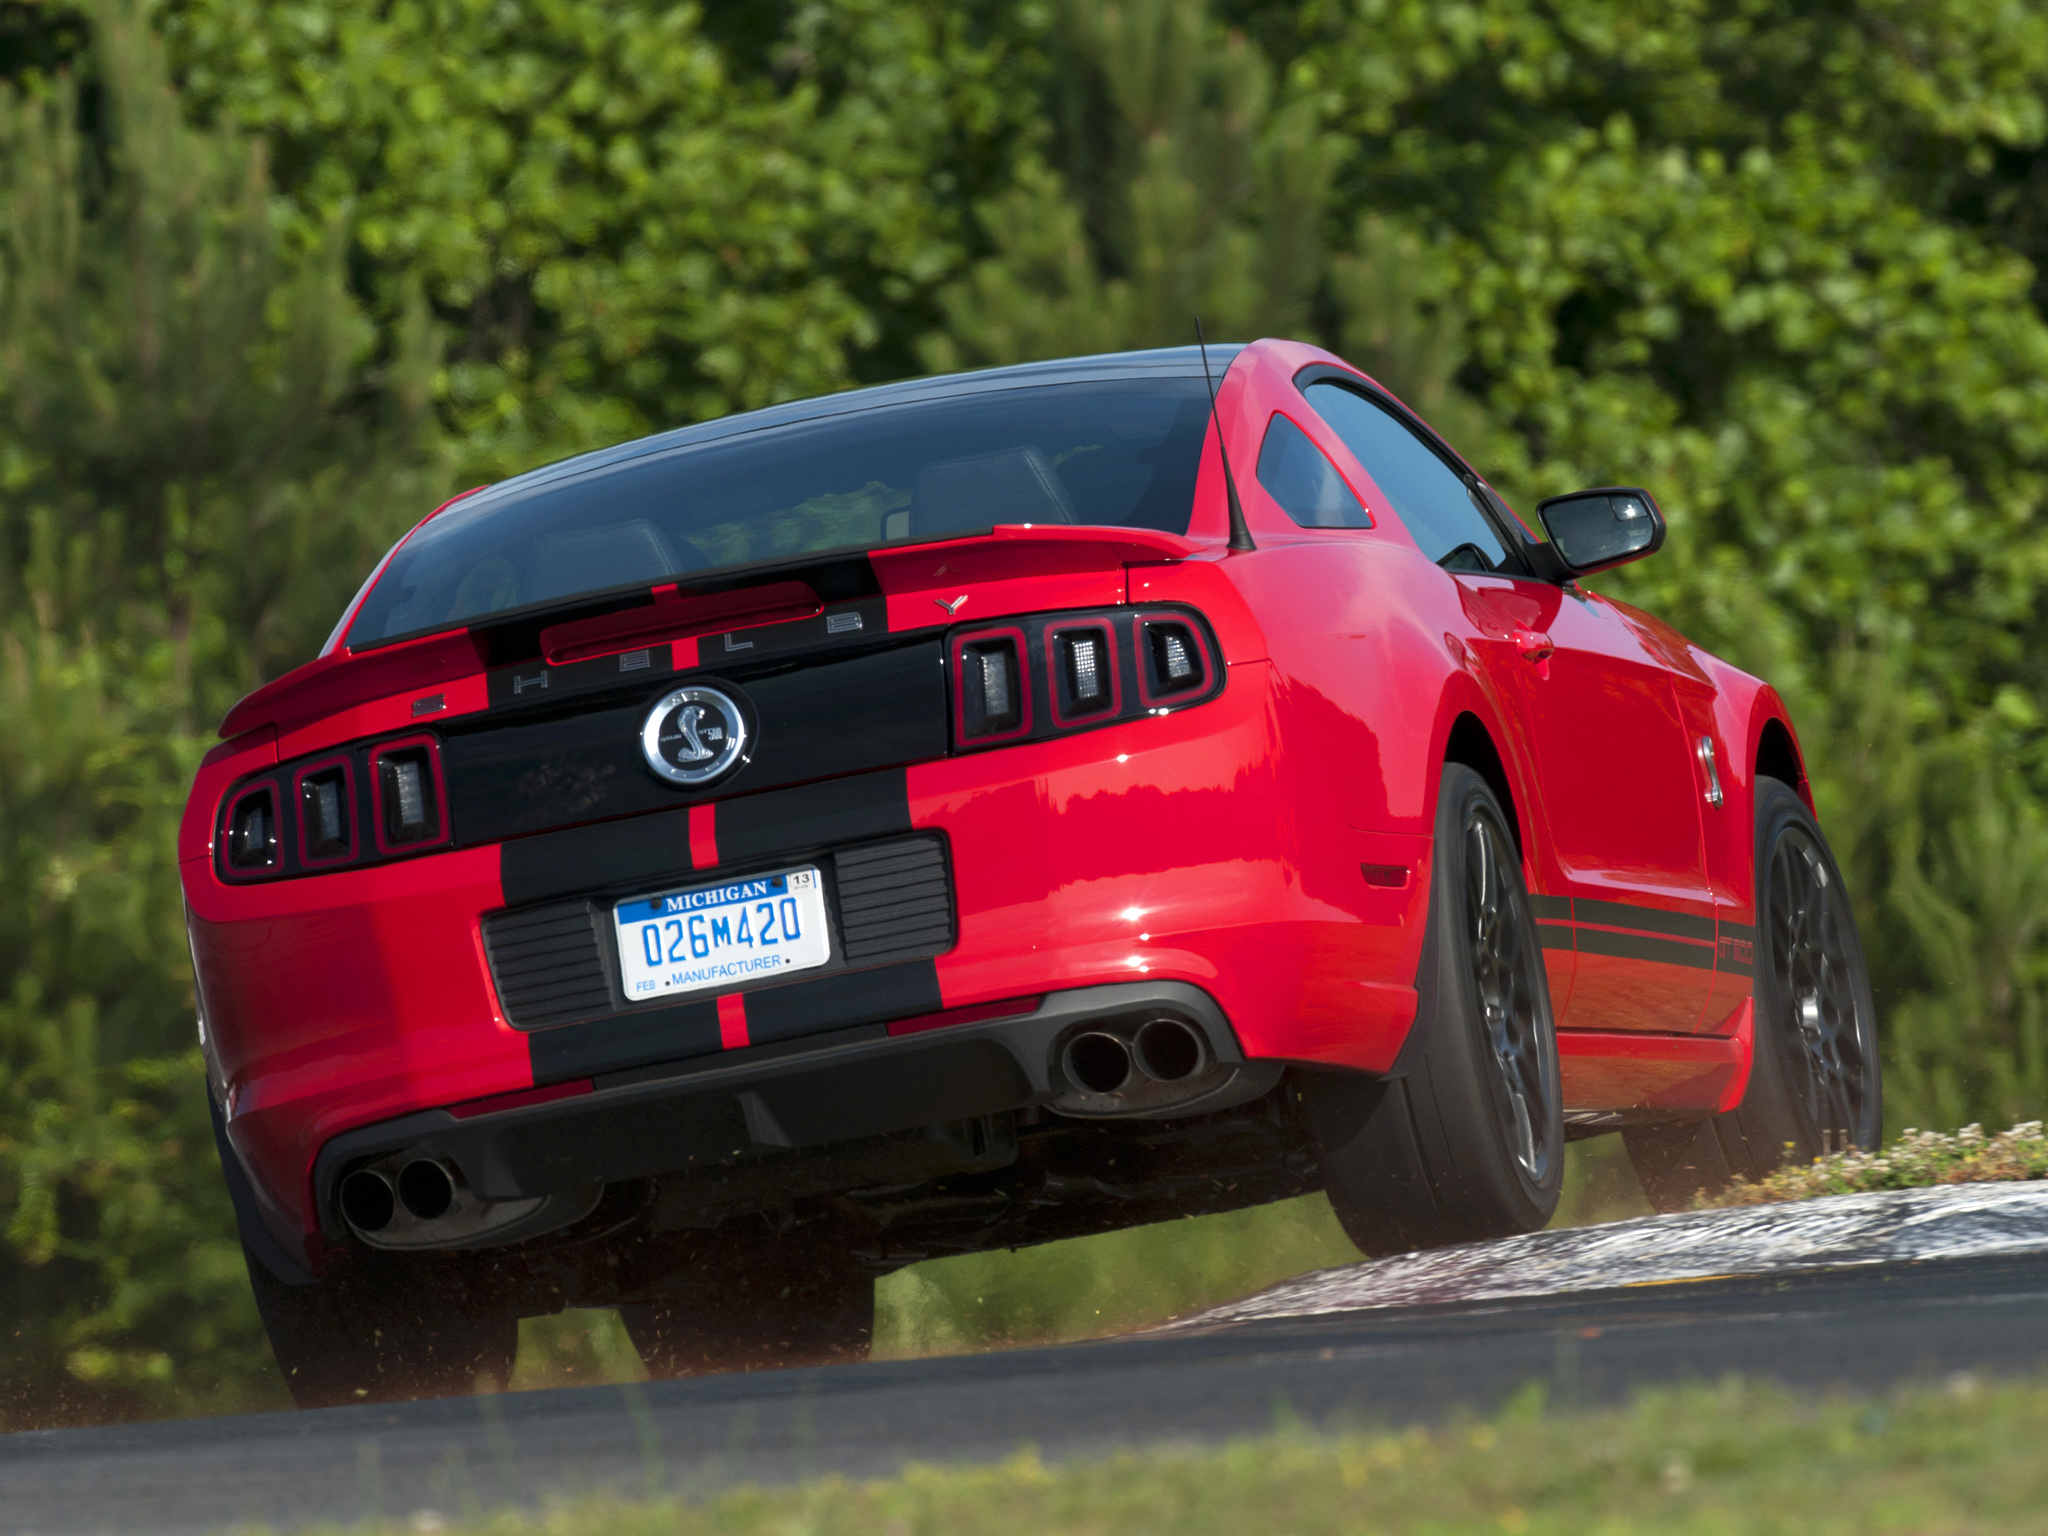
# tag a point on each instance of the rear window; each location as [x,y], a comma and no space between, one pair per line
[1122,453]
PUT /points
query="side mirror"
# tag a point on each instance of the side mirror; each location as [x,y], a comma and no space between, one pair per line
[1592,530]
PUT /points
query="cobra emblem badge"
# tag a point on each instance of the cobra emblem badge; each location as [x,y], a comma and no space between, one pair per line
[693,735]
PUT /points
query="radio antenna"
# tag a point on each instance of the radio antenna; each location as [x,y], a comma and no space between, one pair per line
[1240,532]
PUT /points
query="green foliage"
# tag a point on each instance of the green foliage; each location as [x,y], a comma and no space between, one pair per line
[1915,1160]
[184,503]
[620,226]
[1784,261]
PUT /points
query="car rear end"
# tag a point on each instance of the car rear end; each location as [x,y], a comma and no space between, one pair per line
[874,804]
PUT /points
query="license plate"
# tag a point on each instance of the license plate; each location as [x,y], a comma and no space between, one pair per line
[722,935]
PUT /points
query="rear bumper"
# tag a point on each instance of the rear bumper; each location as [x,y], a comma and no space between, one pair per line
[1180,849]
[763,1100]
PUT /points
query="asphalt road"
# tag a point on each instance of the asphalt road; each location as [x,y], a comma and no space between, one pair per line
[1865,1326]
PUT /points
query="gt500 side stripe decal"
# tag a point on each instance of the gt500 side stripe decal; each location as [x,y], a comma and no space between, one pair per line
[1632,932]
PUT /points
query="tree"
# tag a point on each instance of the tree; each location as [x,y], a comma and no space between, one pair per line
[196,461]
[620,224]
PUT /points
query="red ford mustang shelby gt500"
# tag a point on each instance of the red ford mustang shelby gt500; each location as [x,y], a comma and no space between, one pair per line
[705,875]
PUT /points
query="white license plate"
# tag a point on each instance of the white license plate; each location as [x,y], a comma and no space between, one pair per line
[722,935]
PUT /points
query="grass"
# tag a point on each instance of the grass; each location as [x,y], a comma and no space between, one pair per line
[1956,1457]
[1916,1160]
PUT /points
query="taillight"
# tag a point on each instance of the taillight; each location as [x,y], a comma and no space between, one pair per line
[327,813]
[1096,668]
[1084,671]
[1173,659]
[252,841]
[407,779]
[341,809]
[993,698]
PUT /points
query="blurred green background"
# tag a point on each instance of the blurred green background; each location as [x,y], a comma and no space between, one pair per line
[276,278]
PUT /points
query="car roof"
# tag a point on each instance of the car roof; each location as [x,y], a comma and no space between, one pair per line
[1158,362]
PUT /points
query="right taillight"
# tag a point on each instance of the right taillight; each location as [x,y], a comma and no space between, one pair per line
[406,776]
[252,832]
[1172,658]
[992,688]
[1046,675]
[1085,683]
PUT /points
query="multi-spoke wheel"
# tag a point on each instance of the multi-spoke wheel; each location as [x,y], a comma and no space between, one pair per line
[1467,1143]
[1814,1085]
[1818,993]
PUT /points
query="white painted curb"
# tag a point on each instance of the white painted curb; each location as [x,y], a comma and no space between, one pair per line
[1891,1226]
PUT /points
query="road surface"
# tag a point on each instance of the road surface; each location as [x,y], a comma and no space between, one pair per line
[1857,1293]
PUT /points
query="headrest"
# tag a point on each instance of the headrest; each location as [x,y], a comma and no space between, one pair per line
[1015,486]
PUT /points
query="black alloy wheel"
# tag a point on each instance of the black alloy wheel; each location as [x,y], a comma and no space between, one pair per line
[1464,1140]
[1816,976]
[1513,1007]
[1814,1081]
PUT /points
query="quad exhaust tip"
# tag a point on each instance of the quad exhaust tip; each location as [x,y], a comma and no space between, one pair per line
[370,1200]
[1097,1062]
[426,1189]
[1162,1051]
[1168,1051]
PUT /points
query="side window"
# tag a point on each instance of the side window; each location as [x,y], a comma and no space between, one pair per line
[1429,496]
[1307,486]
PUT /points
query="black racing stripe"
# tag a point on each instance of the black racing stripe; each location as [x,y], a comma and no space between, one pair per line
[624,1040]
[1556,908]
[1617,914]
[834,811]
[639,849]
[1642,946]
[1743,931]
[654,849]
[1554,935]
[838,1002]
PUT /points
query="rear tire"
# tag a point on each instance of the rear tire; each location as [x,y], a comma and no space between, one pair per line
[1469,1144]
[382,1328]
[817,1311]
[1814,1081]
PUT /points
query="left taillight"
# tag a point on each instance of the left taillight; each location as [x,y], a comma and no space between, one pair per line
[327,812]
[342,809]
[253,846]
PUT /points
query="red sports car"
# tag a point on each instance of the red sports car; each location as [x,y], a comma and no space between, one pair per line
[702,876]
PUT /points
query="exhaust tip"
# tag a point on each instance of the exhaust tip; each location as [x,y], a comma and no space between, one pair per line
[367,1203]
[1168,1051]
[1097,1062]
[426,1189]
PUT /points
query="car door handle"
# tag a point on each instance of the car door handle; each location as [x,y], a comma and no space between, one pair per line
[1533,646]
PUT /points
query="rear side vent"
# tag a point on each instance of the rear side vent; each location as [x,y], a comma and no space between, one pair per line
[895,900]
[547,966]
[991,701]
